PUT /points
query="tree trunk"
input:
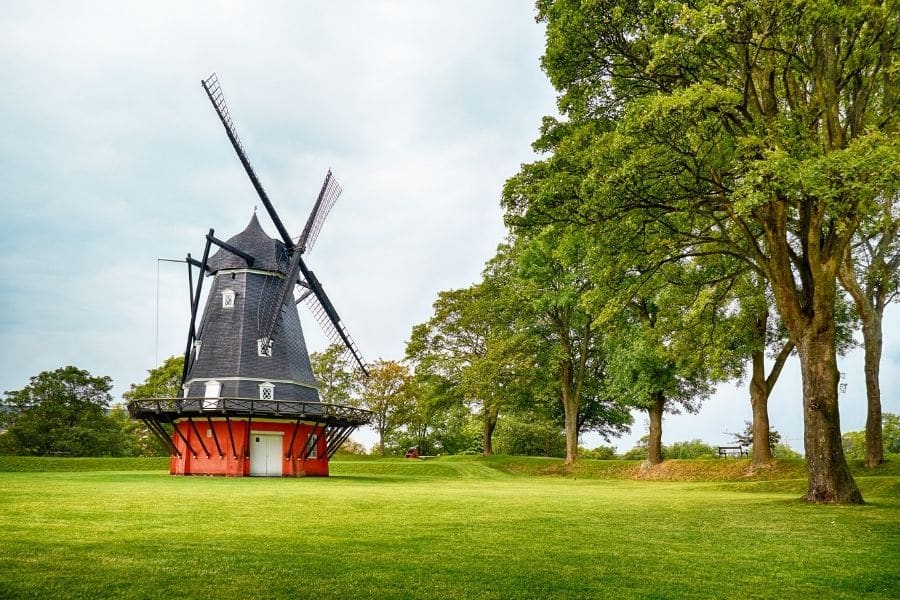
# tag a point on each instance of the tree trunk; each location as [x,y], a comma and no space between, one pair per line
[570,406]
[655,411]
[869,304]
[759,394]
[570,412]
[872,342]
[490,423]
[759,402]
[807,310]
[829,476]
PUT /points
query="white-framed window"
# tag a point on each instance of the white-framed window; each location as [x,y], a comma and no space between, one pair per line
[197,344]
[227,298]
[312,445]
[211,394]
[266,391]
[264,346]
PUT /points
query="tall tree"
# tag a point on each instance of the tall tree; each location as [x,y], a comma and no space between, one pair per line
[554,276]
[387,395]
[339,383]
[871,275]
[654,363]
[759,130]
[463,346]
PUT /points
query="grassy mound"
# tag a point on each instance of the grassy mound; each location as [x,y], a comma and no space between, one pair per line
[52,463]
[670,470]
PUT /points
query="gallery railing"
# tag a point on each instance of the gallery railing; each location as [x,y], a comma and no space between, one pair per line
[249,407]
[160,415]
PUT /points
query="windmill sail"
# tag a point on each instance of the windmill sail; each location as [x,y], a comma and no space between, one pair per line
[328,195]
[334,330]
[271,311]
[217,97]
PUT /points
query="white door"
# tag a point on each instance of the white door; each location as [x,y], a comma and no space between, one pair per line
[265,454]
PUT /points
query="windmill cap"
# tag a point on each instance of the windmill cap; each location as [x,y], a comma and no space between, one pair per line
[269,253]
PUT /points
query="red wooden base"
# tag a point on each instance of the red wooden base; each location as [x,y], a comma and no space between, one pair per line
[220,447]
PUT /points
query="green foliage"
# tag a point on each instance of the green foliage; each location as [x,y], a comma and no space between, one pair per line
[640,451]
[890,427]
[388,395]
[455,360]
[598,453]
[437,430]
[690,450]
[338,381]
[536,436]
[855,441]
[162,382]
[783,451]
[61,412]
[564,303]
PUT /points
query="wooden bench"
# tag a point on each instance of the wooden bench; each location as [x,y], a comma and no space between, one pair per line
[735,451]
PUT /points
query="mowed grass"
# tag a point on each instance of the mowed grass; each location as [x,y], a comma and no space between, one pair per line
[444,528]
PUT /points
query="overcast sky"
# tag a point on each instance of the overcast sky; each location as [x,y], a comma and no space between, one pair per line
[112,157]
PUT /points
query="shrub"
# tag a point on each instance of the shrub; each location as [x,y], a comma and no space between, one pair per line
[785,451]
[519,436]
[637,453]
[691,449]
[598,453]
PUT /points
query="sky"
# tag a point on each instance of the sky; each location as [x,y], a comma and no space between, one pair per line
[111,157]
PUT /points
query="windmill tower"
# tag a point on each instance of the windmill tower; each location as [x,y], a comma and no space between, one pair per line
[250,404]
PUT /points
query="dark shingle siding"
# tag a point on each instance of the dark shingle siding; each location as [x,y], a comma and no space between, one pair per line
[229,336]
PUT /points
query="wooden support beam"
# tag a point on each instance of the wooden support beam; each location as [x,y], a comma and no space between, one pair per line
[199,437]
[290,447]
[318,431]
[340,441]
[160,434]
[187,444]
[231,437]
[337,439]
[247,447]
[215,437]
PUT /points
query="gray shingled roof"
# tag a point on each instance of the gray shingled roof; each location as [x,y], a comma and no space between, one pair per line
[269,253]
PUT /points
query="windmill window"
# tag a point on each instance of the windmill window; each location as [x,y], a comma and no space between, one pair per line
[264,347]
[197,345]
[211,394]
[228,299]
[312,446]
[266,391]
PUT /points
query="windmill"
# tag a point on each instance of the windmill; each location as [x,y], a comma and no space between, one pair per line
[251,405]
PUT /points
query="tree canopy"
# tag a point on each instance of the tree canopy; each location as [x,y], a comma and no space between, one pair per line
[759,131]
[61,412]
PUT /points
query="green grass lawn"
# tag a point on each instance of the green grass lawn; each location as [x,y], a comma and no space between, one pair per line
[444,528]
